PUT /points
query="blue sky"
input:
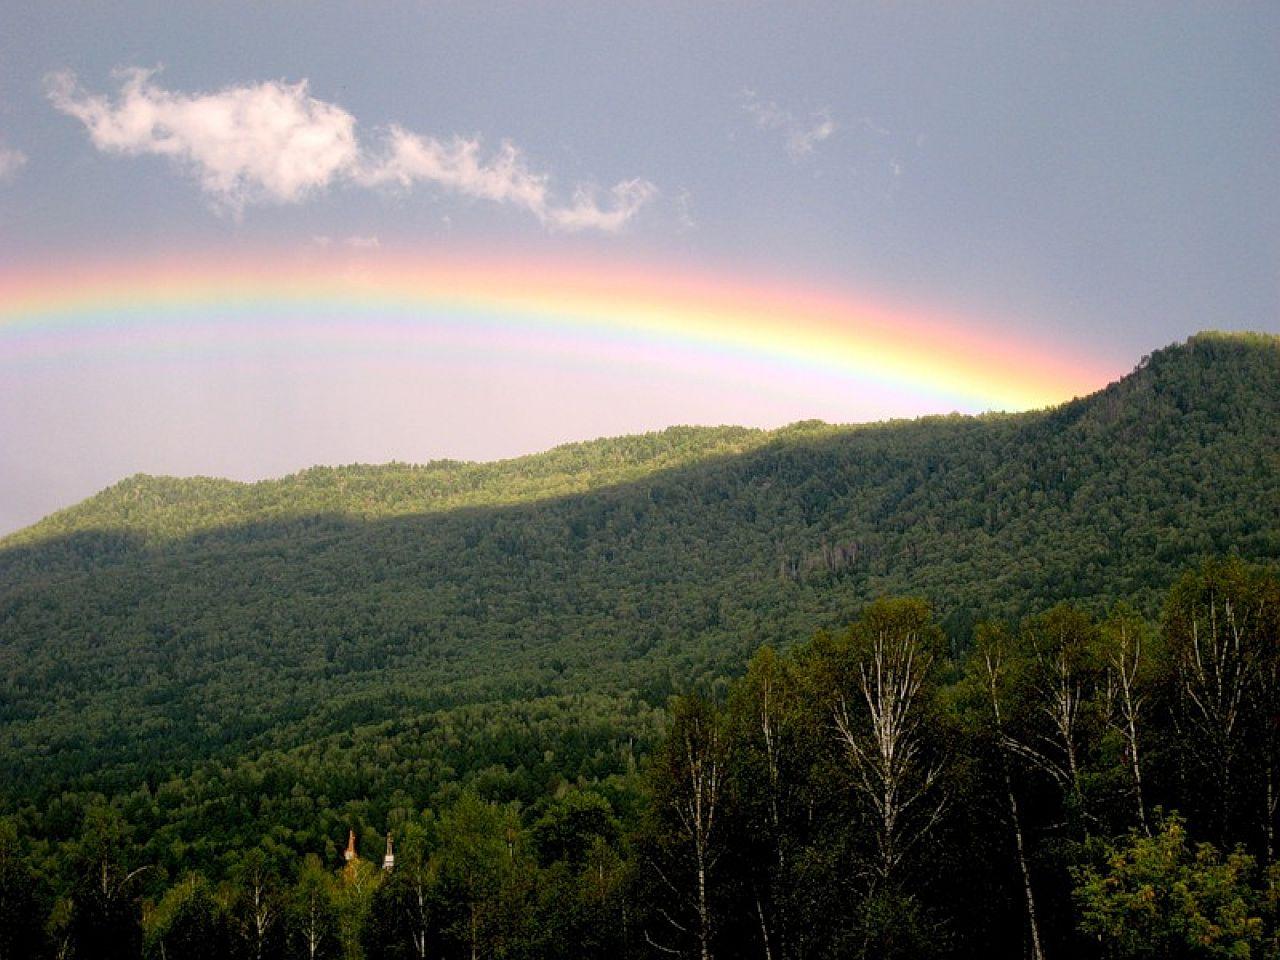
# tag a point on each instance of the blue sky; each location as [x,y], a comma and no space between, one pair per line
[1103,174]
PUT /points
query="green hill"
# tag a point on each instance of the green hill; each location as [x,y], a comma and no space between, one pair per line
[163,508]
[408,626]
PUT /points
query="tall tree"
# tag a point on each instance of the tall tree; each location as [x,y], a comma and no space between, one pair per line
[22,906]
[105,916]
[1218,626]
[768,732]
[353,895]
[481,857]
[402,916]
[411,891]
[189,923]
[256,905]
[313,913]
[1128,661]
[883,716]
[990,667]
[690,774]
[1061,683]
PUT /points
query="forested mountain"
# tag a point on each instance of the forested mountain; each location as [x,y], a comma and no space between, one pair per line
[155,509]
[216,667]
[165,621]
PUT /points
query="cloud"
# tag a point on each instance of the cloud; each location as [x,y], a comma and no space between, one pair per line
[274,142]
[684,210]
[355,242]
[503,176]
[801,141]
[624,201]
[268,142]
[11,161]
[800,134]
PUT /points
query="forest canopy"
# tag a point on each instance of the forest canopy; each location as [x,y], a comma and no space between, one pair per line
[520,670]
[1069,785]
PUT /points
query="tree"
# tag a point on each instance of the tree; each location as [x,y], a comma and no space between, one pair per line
[481,858]
[105,915]
[1218,627]
[357,883]
[188,923]
[1158,897]
[313,913]
[989,667]
[571,825]
[1127,659]
[602,894]
[883,716]
[1267,601]
[402,915]
[772,739]
[690,776]
[22,906]
[256,905]
[1061,677]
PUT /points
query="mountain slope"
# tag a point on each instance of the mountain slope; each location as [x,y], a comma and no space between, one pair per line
[156,509]
[165,624]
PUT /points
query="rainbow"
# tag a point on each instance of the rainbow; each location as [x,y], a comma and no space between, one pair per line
[620,314]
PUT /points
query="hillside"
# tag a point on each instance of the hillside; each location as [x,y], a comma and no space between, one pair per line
[410,626]
[155,509]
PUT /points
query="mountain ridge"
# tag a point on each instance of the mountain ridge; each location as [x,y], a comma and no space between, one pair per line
[435,485]
[123,659]
[361,490]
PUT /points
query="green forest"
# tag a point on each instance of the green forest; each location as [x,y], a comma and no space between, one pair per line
[993,686]
[1069,786]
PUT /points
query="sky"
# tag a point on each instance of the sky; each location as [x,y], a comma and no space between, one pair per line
[242,238]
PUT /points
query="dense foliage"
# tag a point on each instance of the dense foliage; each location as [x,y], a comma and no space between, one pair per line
[877,798]
[865,795]
[204,684]
[133,651]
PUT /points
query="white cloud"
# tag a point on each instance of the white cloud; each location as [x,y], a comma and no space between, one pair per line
[503,176]
[684,210]
[801,141]
[275,142]
[800,134]
[11,161]
[586,212]
[266,142]
[323,241]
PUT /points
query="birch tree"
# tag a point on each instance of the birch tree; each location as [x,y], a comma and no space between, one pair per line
[104,916]
[1268,605]
[477,863]
[690,791]
[768,731]
[1220,630]
[882,716]
[990,665]
[188,923]
[313,914]
[256,909]
[416,872]
[1061,698]
[1126,653]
